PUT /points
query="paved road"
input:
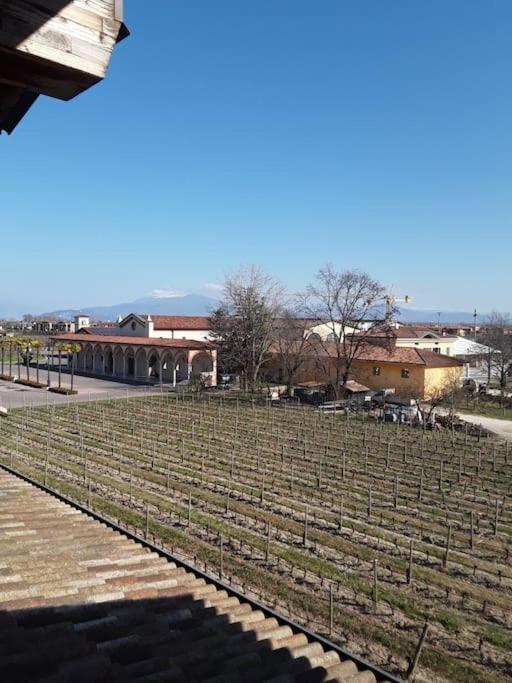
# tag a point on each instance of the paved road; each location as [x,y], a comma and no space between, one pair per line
[14,395]
[503,428]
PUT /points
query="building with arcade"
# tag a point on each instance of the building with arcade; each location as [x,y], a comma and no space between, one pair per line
[155,349]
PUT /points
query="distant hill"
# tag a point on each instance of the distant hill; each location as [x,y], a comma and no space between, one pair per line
[189,304]
[413,315]
[199,304]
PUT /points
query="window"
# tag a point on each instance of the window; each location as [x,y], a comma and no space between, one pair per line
[376,370]
[436,349]
[133,325]
[405,373]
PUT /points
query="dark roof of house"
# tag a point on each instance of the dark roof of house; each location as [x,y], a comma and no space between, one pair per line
[81,601]
[97,330]
[132,341]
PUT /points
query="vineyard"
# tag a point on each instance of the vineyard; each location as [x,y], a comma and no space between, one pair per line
[362,531]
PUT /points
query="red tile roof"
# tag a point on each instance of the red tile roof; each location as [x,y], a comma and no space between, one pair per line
[80,601]
[143,341]
[381,354]
[180,322]
[402,332]
[406,355]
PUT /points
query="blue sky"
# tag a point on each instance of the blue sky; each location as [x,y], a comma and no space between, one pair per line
[286,133]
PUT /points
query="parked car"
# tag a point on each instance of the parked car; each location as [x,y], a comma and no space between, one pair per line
[381,396]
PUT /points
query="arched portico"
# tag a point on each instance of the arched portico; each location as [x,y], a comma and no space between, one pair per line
[98,360]
[141,364]
[182,367]
[89,359]
[168,368]
[154,366]
[108,361]
[149,360]
[119,364]
[202,363]
[129,363]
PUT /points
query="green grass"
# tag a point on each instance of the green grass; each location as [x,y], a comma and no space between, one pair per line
[486,409]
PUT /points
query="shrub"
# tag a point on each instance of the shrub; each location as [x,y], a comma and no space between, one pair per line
[63,390]
[30,383]
[7,378]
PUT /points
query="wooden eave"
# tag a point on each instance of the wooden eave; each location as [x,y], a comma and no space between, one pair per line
[58,48]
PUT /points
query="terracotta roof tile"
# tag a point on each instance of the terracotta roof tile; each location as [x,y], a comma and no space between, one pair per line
[405,355]
[180,322]
[132,341]
[191,632]
[381,353]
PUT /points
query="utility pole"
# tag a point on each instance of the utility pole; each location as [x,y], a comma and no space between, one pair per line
[474,324]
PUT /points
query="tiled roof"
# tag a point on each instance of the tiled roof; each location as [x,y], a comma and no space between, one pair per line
[132,341]
[81,602]
[376,352]
[410,356]
[97,330]
[404,332]
[180,322]
[405,355]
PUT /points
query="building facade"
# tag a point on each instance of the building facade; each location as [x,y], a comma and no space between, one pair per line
[414,373]
[136,351]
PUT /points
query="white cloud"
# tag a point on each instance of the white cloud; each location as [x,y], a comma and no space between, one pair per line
[212,288]
[168,293]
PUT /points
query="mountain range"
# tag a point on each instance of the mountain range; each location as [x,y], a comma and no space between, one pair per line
[199,304]
[188,304]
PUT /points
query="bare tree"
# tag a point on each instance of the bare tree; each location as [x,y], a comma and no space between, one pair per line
[243,324]
[291,345]
[350,306]
[497,335]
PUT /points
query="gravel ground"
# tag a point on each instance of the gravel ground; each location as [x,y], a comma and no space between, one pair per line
[502,428]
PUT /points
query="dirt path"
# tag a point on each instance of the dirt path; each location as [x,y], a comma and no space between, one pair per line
[503,428]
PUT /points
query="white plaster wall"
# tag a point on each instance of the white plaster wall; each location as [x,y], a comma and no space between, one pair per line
[139,331]
[196,335]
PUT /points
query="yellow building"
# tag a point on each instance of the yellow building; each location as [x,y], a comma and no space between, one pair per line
[411,372]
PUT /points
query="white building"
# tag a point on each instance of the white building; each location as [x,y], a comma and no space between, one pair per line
[158,349]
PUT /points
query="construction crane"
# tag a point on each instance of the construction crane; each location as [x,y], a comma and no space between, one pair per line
[390,301]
